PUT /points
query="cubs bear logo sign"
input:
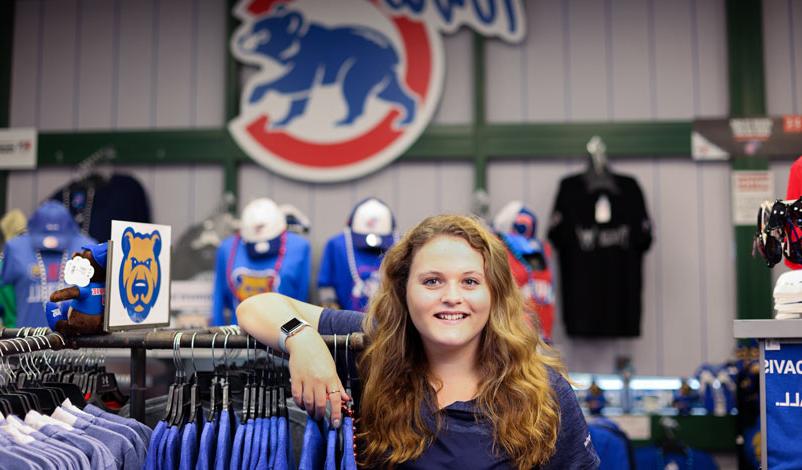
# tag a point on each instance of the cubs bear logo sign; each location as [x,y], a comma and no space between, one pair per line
[344,87]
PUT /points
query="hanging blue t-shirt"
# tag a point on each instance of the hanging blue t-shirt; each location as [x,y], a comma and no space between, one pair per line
[247,444]
[82,461]
[335,272]
[189,447]
[152,460]
[262,449]
[236,447]
[611,447]
[141,429]
[654,457]
[331,450]
[21,269]
[273,441]
[29,454]
[100,457]
[284,454]
[348,461]
[313,453]
[247,275]
[125,431]
[206,452]
[14,461]
[222,457]
[172,450]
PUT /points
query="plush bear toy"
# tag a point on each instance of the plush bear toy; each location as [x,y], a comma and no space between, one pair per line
[86,271]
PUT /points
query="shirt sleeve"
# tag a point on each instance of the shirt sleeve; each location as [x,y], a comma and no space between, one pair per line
[221,292]
[574,447]
[339,322]
[558,227]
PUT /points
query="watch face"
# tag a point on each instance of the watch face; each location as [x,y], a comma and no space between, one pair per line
[291,325]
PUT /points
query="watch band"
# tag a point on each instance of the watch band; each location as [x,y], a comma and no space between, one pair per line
[288,330]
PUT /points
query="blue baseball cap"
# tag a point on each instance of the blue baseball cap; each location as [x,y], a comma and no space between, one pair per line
[99,252]
[372,224]
[51,227]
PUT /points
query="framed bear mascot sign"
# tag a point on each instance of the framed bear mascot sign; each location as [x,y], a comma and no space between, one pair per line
[138,278]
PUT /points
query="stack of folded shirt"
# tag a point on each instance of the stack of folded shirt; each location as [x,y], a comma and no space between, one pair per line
[788,295]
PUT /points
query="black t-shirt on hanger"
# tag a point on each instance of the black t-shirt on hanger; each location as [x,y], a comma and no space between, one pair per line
[95,201]
[601,244]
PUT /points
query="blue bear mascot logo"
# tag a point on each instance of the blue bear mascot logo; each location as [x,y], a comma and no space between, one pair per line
[360,60]
[140,272]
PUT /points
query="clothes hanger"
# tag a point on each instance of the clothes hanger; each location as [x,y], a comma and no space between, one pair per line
[597,175]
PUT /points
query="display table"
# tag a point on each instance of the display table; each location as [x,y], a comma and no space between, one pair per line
[780,388]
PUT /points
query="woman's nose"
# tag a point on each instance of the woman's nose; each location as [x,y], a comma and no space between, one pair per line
[452,294]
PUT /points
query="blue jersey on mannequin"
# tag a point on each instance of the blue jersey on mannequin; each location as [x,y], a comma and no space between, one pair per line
[335,272]
[22,270]
[240,274]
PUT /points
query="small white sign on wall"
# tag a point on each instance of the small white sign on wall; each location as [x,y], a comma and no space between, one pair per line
[749,190]
[18,148]
[138,280]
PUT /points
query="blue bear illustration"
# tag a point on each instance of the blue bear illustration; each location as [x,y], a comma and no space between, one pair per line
[361,60]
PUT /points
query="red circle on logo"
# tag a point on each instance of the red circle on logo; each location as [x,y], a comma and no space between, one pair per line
[303,152]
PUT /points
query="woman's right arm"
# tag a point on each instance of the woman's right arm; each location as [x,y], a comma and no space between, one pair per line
[312,370]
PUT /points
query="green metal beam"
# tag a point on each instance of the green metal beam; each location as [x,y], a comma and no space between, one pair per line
[479,112]
[232,91]
[6,58]
[748,98]
[139,147]
[438,142]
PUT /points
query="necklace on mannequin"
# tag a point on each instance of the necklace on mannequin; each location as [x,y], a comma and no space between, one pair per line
[84,217]
[45,295]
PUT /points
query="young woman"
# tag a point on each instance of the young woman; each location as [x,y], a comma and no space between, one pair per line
[453,376]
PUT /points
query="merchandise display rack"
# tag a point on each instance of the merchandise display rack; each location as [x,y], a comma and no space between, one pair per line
[26,340]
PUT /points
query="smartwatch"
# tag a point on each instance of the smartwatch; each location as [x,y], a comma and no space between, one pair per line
[289,329]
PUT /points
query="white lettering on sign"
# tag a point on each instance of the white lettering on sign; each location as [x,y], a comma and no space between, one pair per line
[783,366]
[788,403]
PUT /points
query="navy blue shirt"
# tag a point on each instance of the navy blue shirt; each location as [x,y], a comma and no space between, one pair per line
[465,441]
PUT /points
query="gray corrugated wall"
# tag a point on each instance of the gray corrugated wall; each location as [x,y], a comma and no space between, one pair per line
[126,64]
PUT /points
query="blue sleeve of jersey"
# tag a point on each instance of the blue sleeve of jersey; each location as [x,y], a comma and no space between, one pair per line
[339,322]
[325,275]
[303,284]
[221,292]
[574,446]
[10,271]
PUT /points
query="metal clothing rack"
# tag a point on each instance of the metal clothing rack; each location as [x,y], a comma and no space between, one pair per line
[26,340]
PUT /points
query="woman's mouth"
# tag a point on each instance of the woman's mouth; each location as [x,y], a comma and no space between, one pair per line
[452,316]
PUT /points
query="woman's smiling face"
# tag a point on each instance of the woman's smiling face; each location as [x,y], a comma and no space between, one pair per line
[447,295]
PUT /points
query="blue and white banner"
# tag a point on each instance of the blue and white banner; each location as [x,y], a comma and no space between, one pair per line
[783,371]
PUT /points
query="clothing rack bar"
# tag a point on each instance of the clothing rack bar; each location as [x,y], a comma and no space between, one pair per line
[151,339]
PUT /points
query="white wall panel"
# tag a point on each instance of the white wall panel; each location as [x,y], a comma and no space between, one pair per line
[174,74]
[588,52]
[456,103]
[134,107]
[59,73]
[25,72]
[611,60]
[631,74]
[673,59]
[208,55]
[96,64]
[782,49]
[710,57]
[544,62]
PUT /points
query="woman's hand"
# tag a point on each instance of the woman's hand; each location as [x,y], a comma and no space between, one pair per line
[313,375]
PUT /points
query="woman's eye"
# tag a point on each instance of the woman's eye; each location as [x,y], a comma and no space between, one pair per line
[432,281]
[472,282]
